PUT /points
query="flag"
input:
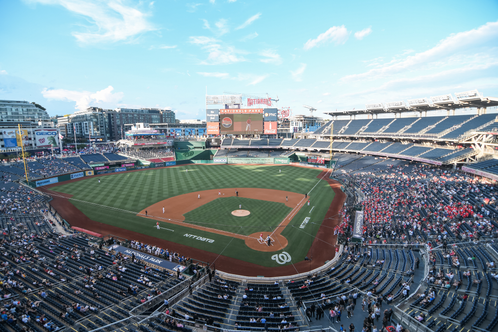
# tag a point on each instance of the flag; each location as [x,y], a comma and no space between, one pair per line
[60,136]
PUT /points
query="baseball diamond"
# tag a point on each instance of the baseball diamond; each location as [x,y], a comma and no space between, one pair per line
[276,201]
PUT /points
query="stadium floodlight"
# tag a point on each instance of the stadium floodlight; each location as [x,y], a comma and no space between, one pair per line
[374,107]
[443,100]
[395,105]
[419,102]
[472,95]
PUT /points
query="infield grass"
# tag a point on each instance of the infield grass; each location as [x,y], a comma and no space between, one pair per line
[119,197]
[265,215]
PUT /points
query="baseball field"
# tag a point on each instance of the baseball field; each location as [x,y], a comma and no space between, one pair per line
[225,210]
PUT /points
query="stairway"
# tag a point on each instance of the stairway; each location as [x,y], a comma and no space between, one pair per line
[233,310]
[296,312]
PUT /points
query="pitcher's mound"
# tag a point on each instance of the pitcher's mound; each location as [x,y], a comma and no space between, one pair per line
[241,213]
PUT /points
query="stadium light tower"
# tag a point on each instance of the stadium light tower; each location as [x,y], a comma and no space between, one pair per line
[311,108]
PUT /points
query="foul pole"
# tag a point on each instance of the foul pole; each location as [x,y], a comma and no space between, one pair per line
[331,154]
[19,132]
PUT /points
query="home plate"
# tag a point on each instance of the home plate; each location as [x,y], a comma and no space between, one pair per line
[241,213]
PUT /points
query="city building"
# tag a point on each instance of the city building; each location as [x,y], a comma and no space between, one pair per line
[103,125]
[16,111]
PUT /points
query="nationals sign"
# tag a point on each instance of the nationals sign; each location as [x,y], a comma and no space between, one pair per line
[258,101]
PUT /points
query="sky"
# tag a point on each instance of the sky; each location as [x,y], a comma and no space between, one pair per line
[332,55]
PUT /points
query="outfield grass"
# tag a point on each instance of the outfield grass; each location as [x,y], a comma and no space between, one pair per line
[129,193]
[265,215]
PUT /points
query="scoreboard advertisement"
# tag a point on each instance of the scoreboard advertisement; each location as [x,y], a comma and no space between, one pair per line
[241,121]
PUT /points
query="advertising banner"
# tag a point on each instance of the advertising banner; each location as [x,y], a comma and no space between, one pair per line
[212,118]
[220,160]
[242,111]
[121,169]
[212,112]
[316,160]
[271,114]
[147,258]
[171,163]
[46,182]
[250,160]
[223,99]
[178,131]
[258,101]
[89,173]
[98,168]
[213,128]
[20,136]
[9,138]
[358,224]
[128,165]
[201,131]
[282,161]
[46,138]
[77,175]
[159,164]
[270,127]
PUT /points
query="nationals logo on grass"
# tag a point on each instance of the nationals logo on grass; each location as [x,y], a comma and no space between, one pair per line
[226,122]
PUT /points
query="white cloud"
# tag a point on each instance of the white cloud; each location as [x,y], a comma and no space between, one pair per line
[249,21]
[217,53]
[271,56]
[230,1]
[217,75]
[338,35]
[221,27]
[459,43]
[319,102]
[363,33]
[326,93]
[212,1]
[249,36]
[162,47]
[83,99]
[258,79]
[192,7]
[296,74]
[251,79]
[111,21]
[3,72]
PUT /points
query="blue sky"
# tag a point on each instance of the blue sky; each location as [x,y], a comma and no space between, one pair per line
[70,54]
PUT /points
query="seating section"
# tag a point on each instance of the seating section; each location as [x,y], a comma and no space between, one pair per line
[94,158]
[399,124]
[471,125]
[377,125]
[448,123]
[115,157]
[355,126]
[77,161]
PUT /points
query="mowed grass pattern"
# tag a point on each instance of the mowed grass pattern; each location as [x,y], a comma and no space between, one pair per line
[134,191]
[265,215]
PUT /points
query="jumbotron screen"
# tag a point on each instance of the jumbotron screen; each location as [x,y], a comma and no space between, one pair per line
[241,121]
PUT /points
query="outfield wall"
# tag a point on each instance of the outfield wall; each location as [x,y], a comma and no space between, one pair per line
[260,161]
[96,171]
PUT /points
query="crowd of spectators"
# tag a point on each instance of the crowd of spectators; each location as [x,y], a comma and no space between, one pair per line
[150,153]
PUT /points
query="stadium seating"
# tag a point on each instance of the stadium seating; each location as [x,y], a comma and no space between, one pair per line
[94,158]
[354,127]
[399,124]
[115,157]
[376,125]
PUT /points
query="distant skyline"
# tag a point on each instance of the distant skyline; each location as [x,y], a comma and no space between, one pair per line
[70,54]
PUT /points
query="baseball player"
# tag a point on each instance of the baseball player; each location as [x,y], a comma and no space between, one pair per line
[308,202]
[261,238]
[199,196]
[268,240]
[157,225]
[163,209]
[248,125]
[286,198]
[219,193]
[99,180]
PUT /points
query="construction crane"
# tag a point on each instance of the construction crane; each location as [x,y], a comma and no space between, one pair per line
[311,108]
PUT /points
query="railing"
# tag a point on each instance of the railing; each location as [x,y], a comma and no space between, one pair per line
[171,295]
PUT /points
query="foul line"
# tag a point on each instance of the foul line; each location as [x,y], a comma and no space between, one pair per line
[297,208]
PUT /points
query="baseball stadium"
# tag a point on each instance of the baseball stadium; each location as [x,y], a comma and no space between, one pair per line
[241,229]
